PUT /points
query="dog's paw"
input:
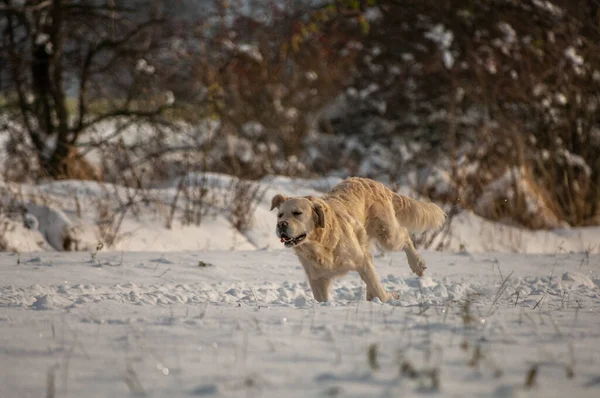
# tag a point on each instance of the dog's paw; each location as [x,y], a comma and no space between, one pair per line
[418,266]
[393,296]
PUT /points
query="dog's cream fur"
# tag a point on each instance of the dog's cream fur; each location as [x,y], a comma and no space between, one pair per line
[341,225]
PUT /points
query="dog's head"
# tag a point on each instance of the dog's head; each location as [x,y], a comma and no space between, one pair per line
[297,218]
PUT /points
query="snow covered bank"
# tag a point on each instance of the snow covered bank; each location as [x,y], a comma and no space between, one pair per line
[197,214]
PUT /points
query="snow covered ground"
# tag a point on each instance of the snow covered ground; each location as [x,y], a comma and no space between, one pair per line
[243,323]
[207,310]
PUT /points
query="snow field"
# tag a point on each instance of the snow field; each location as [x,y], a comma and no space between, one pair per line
[243,323]
[208,310]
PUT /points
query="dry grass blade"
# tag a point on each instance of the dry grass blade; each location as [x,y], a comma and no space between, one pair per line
[465,311]
[570,373]
[408,370]
[435,378]
[51,382]
[501,290]
[477,356]
[531,376]
[133,382]
[372,357]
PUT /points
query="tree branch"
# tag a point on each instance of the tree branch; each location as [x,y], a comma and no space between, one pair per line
[91,54]
[124,113]
[23,105]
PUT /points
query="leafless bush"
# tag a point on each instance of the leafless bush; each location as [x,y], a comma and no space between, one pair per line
[11,211]
[17,166]
[109,218]
[105,220]
[195,196]
[5,227]
[245,197]
[11,201]
[198,196]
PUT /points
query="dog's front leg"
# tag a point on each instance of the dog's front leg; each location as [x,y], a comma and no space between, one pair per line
[320,288]
[374,287]
[318,282]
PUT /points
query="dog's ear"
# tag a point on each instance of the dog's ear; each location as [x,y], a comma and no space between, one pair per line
[277,201]
[319,215]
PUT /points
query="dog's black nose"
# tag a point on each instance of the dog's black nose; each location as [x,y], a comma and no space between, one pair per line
[282,224]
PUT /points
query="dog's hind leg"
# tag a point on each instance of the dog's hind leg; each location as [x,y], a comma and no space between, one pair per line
[382,225]
[415,261]
[402,240]
[392,237]
[320,288]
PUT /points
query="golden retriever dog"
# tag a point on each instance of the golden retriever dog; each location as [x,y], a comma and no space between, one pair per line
[332,235]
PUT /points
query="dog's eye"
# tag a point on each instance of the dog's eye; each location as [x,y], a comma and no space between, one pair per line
[279,215]
[297,213]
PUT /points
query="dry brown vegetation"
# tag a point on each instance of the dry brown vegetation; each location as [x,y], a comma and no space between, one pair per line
[504,93]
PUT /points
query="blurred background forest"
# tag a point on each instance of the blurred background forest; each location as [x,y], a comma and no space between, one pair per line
[488,105]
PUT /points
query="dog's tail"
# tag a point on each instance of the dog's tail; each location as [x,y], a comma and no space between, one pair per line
[417,216]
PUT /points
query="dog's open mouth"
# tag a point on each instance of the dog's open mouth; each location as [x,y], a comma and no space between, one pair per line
[291,242]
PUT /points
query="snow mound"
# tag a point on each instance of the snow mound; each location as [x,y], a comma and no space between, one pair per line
[44,302]
[52,223]
[575,279]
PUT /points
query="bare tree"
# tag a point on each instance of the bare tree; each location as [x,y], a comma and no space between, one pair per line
[71,64]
